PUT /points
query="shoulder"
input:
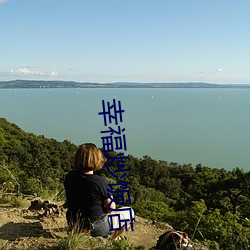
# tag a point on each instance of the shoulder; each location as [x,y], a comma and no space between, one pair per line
[72,175]
[100,181]
[98,178]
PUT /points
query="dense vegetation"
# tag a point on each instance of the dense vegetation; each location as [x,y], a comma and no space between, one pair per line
[212,205]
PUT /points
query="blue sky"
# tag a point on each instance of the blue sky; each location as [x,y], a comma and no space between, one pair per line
[125,40]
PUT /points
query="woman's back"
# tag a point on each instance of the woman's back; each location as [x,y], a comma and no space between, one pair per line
[86,193]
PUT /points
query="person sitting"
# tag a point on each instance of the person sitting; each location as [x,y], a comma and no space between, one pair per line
[89,206]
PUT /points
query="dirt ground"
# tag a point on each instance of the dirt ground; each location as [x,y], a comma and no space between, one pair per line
[25,229]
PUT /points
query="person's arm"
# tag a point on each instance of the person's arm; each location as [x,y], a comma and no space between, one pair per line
[112,205]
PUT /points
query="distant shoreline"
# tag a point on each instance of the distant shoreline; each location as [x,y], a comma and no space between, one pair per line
[21,84]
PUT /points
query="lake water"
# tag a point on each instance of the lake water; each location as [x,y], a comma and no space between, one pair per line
[207,126]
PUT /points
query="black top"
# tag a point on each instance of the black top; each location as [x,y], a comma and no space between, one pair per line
[86,194]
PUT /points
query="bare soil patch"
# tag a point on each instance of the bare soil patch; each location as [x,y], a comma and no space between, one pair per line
[25,229]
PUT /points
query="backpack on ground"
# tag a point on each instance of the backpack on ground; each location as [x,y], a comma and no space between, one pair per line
[172,240]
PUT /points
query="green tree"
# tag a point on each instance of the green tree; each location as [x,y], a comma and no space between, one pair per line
[154,210]
[236,188]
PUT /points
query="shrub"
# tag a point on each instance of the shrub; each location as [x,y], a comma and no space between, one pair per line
[152,210]
[75,241]
[18,202]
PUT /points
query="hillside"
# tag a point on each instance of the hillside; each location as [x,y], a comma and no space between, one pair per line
[16,84]
[211,204]
[31,229]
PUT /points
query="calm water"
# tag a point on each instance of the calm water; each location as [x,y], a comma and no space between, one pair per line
[207,126]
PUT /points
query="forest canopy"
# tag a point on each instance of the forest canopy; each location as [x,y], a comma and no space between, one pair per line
[211,204]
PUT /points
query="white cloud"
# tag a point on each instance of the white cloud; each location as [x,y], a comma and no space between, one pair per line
[218,70]
[31,71]
[22,71]
[211,72]
[53,73]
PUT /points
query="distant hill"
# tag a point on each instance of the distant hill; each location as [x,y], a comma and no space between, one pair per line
[71,84]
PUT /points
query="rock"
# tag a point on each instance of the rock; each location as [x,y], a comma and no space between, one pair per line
[36,205]
[47,207]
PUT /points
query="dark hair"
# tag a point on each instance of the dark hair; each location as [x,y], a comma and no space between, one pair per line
[88,157]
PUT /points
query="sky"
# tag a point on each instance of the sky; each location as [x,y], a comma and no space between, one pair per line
[125,40]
